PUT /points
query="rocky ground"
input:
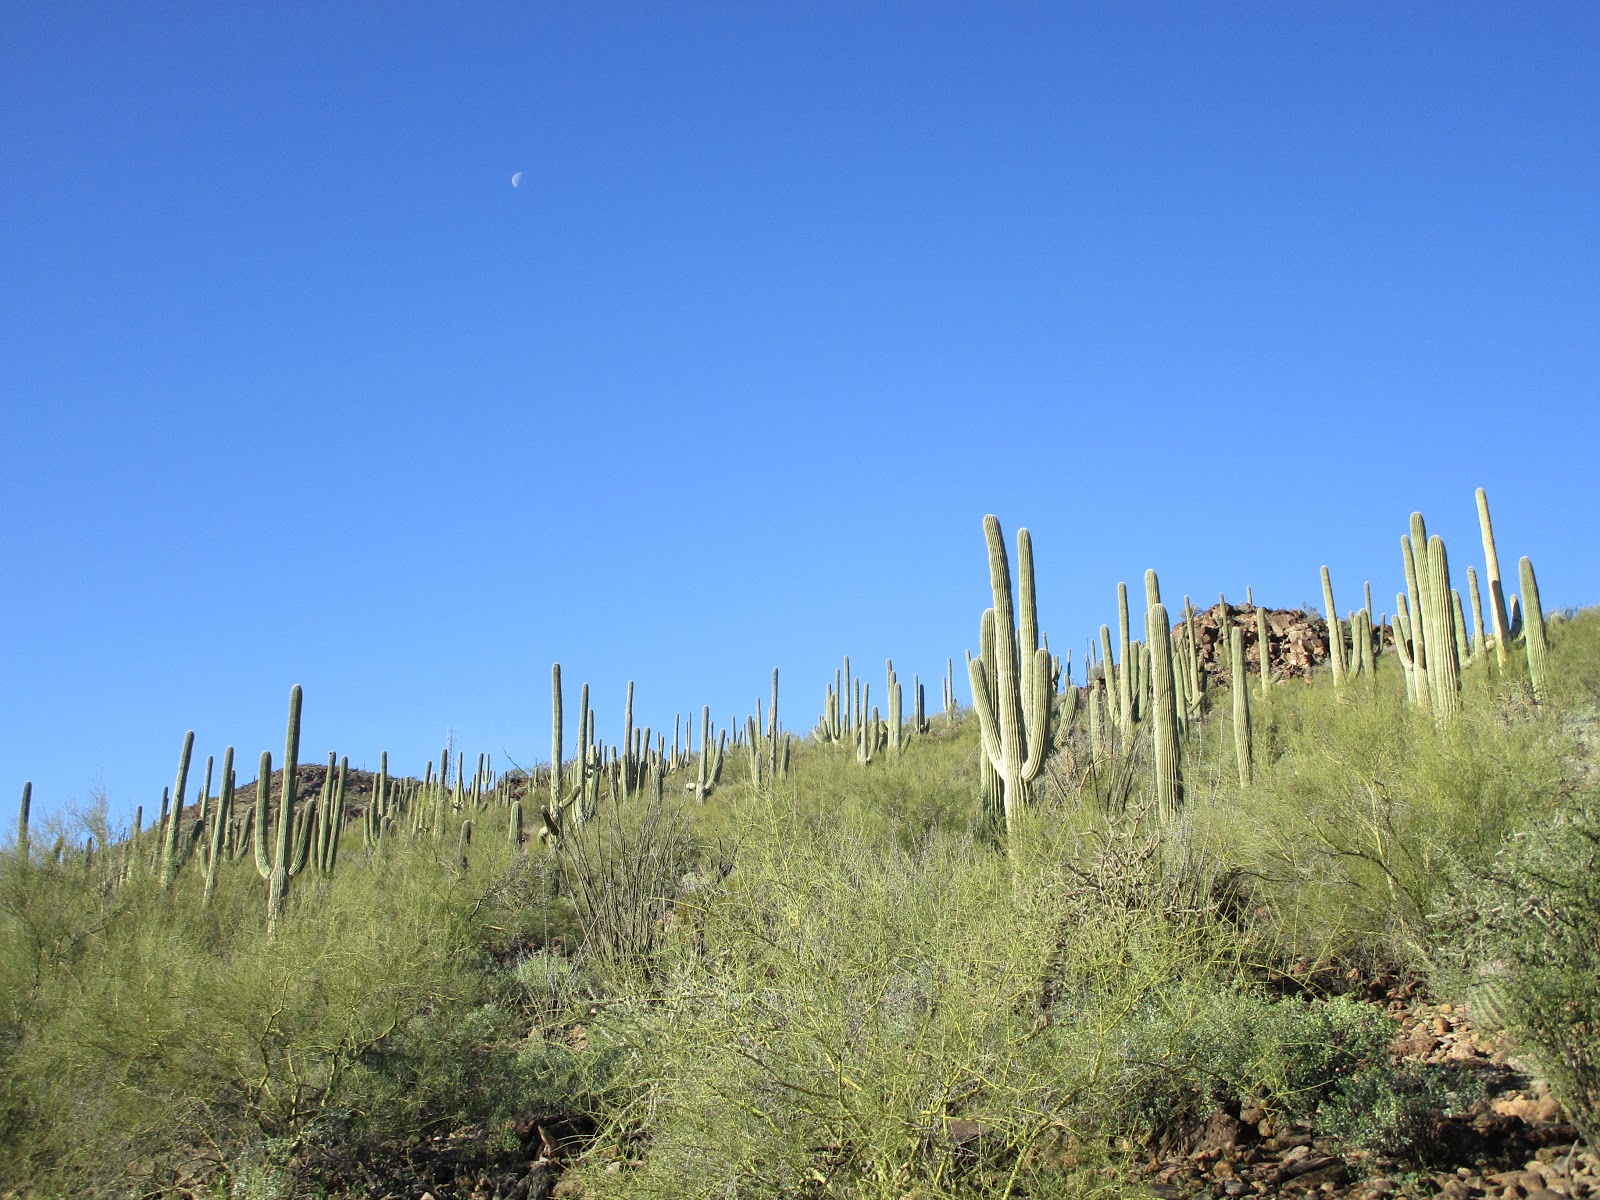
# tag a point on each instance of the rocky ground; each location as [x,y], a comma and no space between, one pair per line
[1513,1144]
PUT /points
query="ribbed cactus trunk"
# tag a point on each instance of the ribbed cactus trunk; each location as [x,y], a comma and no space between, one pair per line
[284,863]
[896,714]
[1534,640]
[22,823]
[1414,556]
[170,851]
[1124,667]
[702,787]
[772,732]
[1164,716]
[221,820]
[1443,670]
[555,743]
[1497,594]
[1335,633]
[1264,652]
[1014,724]
[1241,705]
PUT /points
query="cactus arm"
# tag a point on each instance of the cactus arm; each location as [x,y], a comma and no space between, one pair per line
[983,705]
[1037,711]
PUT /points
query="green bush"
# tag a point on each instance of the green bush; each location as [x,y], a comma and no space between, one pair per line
[1522,938]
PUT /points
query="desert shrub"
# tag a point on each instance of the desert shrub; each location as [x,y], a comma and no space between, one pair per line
[149,1043]
[1358,806]
[1398,1111]
[1522,939]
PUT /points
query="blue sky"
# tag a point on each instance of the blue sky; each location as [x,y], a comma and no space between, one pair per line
[299,389]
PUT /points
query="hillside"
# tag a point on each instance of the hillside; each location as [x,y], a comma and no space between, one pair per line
[1170,928]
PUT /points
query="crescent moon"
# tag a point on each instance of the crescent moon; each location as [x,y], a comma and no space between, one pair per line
[516,180]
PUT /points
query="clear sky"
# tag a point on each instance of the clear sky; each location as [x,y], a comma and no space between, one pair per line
[298,388]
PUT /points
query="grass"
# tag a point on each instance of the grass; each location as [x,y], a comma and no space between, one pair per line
[837,983]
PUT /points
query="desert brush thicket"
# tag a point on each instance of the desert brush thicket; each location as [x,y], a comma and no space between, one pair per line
[994,951]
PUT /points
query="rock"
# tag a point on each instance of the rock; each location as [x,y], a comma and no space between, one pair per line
[1221,1133]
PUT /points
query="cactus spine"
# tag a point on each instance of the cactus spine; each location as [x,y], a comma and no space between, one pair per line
[1534,641]
[1013,705]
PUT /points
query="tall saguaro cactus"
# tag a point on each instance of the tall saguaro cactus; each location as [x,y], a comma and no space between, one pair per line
[1124,667]
[1241,705]
[555,742]
[1013,707]
[1164,715]
[219,828]
[287,859]
[22,822]
[1444,671]
[1335,633]
[171,850]
[1497,593]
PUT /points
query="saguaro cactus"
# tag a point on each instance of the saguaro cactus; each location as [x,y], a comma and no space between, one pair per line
[1335,633]
[171,850]
[554,808]
[1533,624]
[1014,707]
[1164,715]
[22,822]
[287,860]
[1497,594]
[1444,672]
[1124,667]
[1241,705]
[220,822]
[1264,652]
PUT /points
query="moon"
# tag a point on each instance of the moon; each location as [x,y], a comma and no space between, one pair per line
[516,180]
